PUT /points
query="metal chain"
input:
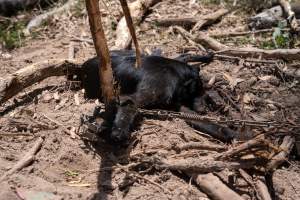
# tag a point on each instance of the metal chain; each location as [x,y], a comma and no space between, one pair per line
[222,120]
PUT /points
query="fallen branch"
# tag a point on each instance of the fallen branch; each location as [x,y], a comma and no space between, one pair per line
[262,190]
[259,186]
[186,22]
[210,19]
[204,40]
[192,165]
[23,78]
[210,43]
[137,10]
[14,134]
[25,160]
[213,187]
[200,146]
[284,54]
[38,20]
[254,32]
[258,141]
[286,146]
[189,22]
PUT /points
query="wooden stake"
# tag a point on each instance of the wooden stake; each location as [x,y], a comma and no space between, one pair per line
[132,31]
[105,70]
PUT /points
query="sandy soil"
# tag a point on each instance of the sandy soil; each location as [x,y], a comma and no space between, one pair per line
[66,167]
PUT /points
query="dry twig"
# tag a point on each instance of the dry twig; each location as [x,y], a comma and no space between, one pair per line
[25,160]
[210,19]
[286,147]
[254,32]
[200,146]
[258,141]
[210,43]
[189,22]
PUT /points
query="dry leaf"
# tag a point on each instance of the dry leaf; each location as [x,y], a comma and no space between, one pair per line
[233,81]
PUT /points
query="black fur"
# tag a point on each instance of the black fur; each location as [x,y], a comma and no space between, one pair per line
[159,83]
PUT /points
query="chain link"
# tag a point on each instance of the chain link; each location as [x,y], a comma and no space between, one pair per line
[222,120]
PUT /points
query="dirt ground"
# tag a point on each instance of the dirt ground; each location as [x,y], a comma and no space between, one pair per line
[67,167]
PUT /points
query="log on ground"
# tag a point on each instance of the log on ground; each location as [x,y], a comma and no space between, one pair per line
[23,78]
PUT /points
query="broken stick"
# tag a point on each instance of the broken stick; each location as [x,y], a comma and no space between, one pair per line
[188,22]
[25,160]
[215,188]
[132,31]
[262,190]
[210,43]
[210,19]
[137,10]
[286,146]
[205,165]
[237,34]
[258,141]
[259,186]
[200,146]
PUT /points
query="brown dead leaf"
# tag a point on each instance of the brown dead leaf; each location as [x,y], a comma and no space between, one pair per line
[233,81]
